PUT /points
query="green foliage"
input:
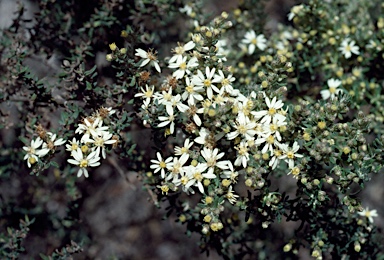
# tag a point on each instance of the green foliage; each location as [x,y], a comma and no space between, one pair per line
[239,130]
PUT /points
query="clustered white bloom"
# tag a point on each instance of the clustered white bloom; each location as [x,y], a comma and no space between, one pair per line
[92,145]
[202,90]
[40,148]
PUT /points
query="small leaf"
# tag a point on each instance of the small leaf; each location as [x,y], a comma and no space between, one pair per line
[89,72]
[133,81]
[89,85]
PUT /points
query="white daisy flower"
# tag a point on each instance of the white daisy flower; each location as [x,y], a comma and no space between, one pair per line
[332,90]
[146,93]
[91,126]
[295,171]
[91,160]
[211,157]
[273,127]
[230,173]
[231,196]
[100,142]
[204,134]
[183,67]
[270,142]
[164,97]
[253,41]
[221,51]
[187,9]
[72,146]
[180,51]
[197,175]
[348,47]
[52,143]
[289,153]
[160,164]
[226,82]
[184,179]
[206,81]
[176,102]
[275,158]
[192,92]
[33,151]
[185,149]
[294,11]
[193,112]
[148,58]
[370,214]
[176,167]
[242,154]
[168,120]
[268,115]
[244,127]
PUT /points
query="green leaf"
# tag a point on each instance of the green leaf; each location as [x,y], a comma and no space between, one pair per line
[89,72]
[88,85]
[44,257]
[54,164]
[133,81]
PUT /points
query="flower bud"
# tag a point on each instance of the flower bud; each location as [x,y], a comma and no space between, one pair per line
[357,246]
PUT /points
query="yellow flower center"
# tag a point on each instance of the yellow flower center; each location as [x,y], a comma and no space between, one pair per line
[189,89]
[273,127]
[290,155]
[332,90]
[198,176]
[74,146]
[83,163]
[272,111]
[207,218]
[249,104]
[321,124]
[179,50]
[148,93]
[162,164]
[242,129]
[225,82]
[167,96]
[184,180]
[183,66]
[270,139]
[347,48]
[243,150]
[219,99]
[207,82]
[277,153]
[184,150]
[211,162]
[99,141]
[254,41]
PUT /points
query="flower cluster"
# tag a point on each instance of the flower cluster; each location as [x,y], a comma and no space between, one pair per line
[45,143]
[225,129]
[95,138]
